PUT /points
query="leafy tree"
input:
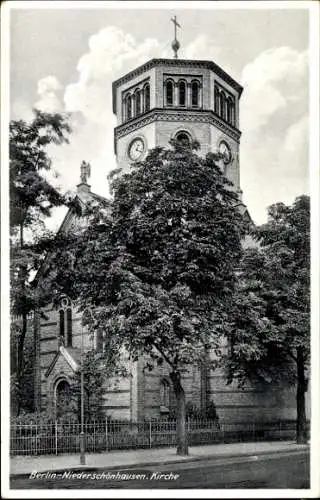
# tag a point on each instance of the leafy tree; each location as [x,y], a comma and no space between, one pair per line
[24,393]
[97,368]
[210,412]
[270,327]
[157,266]
[32,198]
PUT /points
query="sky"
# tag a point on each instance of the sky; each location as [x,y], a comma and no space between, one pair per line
[65,59]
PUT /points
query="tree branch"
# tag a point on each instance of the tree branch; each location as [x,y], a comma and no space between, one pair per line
[292,356]
[163,355]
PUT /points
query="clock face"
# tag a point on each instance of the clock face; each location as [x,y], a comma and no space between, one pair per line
[225,151]
[136,149]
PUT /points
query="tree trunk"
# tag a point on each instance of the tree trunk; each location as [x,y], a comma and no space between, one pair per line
[37,370]
[301,426]
[23,333]
[182,444]
[22,337]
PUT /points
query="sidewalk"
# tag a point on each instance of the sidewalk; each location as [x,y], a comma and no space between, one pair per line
[138,458]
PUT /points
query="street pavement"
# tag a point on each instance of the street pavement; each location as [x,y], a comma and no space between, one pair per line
[128,458]
[283,469]
[238,465]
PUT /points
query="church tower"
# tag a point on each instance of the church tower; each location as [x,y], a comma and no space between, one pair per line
[182,99]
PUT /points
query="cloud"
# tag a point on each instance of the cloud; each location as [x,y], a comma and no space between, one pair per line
[273,113]
[296,138]
[111,52]
[47,90]
[48,84]
[274,121]
[21,110]
[274,80]
[203,47]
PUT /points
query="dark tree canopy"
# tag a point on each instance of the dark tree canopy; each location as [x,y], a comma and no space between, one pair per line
[31,195]
[270,327]
[32,198]
[157,266]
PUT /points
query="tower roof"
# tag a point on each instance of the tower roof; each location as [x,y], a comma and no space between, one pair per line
[210,65]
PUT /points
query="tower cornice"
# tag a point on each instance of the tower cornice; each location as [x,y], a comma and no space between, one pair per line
[190,63]
[165,114]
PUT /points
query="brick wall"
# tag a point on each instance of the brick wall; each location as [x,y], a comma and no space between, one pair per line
[137,395]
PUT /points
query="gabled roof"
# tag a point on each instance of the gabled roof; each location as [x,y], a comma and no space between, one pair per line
[71,355]
[245,212]
[82,197]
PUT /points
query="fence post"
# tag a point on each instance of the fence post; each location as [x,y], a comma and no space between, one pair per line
[36,440]
[107,446]
[150,434]
[56,435]
[253,431]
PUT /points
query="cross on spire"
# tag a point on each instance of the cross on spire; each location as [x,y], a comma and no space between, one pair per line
[175,44]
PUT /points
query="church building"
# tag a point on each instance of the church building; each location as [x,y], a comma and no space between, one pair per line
[157,101]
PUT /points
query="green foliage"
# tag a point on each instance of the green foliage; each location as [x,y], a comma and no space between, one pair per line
[157,266]
[97,367]
[269,322]
[30,418]
[32,198]
[209,413]
[271,313]
[194,412]
[31,195]
[23,392]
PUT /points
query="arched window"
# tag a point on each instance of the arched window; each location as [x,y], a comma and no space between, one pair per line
[164,393]
[222,105]
[129,107]
[232,113]
[217,100]
[61,325]
[194,94]
[137,102]
[65,321]
[69,327]
[147,97]
[63,398]
[182,93]
[229,109]
[184,139]
[169,93]
[124,103]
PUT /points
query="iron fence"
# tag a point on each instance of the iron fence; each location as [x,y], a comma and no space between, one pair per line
[64,437]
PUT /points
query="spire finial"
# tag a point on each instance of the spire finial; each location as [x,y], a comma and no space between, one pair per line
[175,44]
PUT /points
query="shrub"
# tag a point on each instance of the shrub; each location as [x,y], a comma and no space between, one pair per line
[194,412]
